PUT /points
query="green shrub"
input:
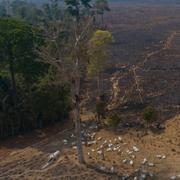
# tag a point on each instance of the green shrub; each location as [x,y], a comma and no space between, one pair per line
[101,108]
[149,114]
[113,120]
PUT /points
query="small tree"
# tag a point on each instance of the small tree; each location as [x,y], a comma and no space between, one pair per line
[101,7]
[98,54]
[52,10]
[149,114]
[113,119]
[101,108]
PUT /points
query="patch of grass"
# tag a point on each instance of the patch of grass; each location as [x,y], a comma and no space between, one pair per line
[113,120]
[149,114]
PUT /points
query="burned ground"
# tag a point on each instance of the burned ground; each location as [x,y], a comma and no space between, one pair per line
[144,57]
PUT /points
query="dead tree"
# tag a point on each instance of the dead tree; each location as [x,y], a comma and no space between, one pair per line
[70,72]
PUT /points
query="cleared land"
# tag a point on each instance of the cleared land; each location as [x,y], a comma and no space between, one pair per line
[28,162]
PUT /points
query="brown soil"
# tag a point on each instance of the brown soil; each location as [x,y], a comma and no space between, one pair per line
[24,159]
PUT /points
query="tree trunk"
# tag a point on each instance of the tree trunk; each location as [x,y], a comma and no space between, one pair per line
[13,81]
[12,127]
[78,135]
[14,96]
[77,119]
[2,128]
[98,85]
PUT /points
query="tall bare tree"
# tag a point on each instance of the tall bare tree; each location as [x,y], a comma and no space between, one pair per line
[69,58]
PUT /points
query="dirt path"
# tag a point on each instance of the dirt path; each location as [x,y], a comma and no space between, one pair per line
[166,46]
[140,65]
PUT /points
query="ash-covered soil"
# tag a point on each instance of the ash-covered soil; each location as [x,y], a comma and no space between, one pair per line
[144,66]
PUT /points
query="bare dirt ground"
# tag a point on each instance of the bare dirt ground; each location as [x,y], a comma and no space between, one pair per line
[27,162]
